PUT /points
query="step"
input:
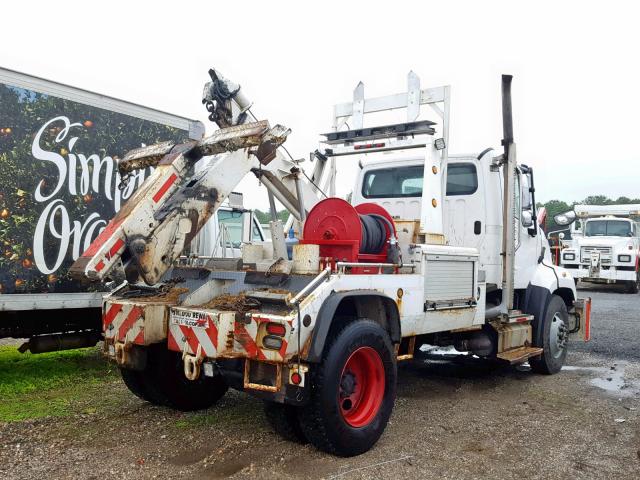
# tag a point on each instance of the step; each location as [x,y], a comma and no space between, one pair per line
[520,354]
[516,316]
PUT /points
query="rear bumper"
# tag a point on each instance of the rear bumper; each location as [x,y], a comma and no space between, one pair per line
[209,342]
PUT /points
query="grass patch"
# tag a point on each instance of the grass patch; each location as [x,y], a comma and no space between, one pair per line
[50,384]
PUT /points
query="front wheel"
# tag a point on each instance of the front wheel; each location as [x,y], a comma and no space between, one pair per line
[353,391]
[634,285]
[554,338]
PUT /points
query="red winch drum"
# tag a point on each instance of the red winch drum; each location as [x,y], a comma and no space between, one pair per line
[349,234]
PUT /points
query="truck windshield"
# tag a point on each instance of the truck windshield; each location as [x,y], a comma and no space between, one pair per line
[608,228]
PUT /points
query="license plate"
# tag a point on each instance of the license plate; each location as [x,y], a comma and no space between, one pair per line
[189,318]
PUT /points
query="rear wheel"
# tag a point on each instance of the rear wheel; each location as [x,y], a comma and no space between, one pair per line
[162,382]
[135,383]
[353,391]
[554,338]
[284,421]
[634,286]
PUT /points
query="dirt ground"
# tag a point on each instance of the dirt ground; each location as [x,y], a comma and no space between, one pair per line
[452,420]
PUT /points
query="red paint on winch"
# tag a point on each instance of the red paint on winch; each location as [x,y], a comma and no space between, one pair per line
[334,224]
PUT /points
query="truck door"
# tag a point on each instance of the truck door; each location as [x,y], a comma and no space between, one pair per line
[464,216]
[528,245]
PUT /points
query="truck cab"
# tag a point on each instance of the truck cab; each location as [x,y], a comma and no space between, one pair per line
[472,206]
[608,250]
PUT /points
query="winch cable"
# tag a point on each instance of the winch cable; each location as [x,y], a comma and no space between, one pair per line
[292,159]
[374,233]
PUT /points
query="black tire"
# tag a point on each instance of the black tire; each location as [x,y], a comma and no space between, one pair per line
[634,287]
[163,383]
[284,421]
[135,383]
[554,352]
[323,419]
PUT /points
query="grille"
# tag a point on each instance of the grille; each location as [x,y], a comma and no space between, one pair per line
[605,254]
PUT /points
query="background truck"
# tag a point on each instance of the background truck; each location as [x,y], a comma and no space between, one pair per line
[59,186]
[434,249]
[605,246]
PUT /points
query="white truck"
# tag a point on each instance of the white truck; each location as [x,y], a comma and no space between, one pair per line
[419,256]
[605,246]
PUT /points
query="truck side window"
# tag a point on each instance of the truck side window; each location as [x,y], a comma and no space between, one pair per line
[255,231]
[462,179]
[393,182]
[231,222]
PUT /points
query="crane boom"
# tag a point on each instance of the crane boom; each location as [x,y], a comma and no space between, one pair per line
[168,210]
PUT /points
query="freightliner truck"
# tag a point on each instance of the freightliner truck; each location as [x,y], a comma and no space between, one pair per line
[433,248]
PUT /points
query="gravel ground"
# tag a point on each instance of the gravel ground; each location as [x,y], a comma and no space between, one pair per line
[453,420]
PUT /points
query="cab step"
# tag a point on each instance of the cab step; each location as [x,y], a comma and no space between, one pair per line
[516,316]
[520,354]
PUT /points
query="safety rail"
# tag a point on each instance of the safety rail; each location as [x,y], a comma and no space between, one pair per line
[342,266]
[313,284]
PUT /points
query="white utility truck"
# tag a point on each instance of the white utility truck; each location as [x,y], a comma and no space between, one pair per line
[419,256]
[605,246]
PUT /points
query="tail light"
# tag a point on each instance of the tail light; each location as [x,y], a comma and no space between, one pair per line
[276,329]
[272,342]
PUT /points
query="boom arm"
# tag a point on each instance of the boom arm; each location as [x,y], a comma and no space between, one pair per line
[173,204]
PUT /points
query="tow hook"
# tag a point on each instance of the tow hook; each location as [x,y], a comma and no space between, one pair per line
[192,364]
[121,354]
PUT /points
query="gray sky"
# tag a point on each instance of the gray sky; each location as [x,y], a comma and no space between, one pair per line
[576,86]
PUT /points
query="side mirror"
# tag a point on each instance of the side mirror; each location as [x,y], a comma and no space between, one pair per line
[566,218]
[527,218]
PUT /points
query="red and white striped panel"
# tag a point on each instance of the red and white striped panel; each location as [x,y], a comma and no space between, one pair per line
[246,335]
[218,335]
[124,322]
[201,329]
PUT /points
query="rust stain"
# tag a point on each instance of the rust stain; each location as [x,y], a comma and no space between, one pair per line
[171,296]
[237,303]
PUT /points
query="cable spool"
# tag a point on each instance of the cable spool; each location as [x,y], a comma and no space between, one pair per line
[349,234]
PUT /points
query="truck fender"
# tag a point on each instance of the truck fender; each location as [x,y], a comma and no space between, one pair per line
[388,317]
[547,281]
[556,280]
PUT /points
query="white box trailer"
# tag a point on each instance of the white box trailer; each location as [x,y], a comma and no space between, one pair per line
[59,187]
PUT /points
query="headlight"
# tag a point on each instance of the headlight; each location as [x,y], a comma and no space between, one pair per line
[624,258]
[568,256]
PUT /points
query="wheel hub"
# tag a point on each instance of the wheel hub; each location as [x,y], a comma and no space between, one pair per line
[362,387]
[347,384]
[558,336]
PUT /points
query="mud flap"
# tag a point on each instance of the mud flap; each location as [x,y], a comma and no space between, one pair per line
[581,315]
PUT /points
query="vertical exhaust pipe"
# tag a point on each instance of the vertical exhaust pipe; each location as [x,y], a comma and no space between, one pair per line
[509,216]
[507,117]
[508,162]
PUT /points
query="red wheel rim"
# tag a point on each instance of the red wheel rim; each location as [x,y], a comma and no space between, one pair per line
[361,387]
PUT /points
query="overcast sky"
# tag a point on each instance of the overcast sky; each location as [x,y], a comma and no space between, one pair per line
[576,87]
